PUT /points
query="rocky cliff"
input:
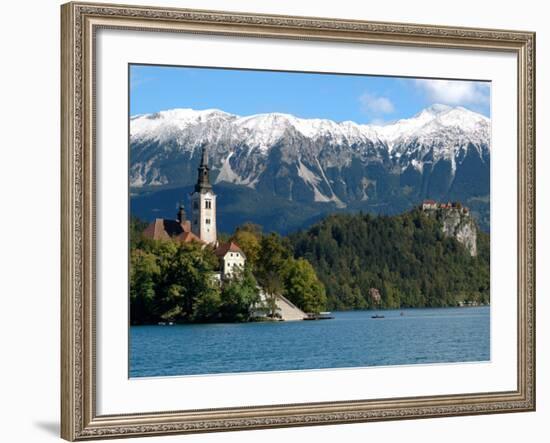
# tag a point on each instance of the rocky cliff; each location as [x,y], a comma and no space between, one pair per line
[459,224]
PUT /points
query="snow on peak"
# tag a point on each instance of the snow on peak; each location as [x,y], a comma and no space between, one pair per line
[181,125]
[240,144]
[458,122]
[190,128]
[435,121]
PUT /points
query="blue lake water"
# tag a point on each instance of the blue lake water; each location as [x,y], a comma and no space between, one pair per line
[351,339]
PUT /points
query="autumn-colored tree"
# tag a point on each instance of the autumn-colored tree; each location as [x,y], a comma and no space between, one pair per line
[249,239]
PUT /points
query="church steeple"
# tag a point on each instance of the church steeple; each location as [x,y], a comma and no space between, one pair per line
[203,204]
[203,180]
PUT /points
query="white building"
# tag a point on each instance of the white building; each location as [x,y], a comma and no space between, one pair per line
[203,205]
[232,259]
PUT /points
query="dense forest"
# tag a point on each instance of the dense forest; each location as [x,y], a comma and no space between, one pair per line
[346,261]
[367,261]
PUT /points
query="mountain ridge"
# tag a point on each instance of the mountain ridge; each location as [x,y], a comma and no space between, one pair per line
[442,152]
[257,125]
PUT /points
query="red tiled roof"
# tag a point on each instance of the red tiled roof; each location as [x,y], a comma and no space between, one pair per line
[227,247]
[187,237]
[429,202]
[164,229]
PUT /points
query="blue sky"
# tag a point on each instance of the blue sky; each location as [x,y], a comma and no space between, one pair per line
[363,99]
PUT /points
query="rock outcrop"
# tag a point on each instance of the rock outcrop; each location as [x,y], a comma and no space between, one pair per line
[459,224]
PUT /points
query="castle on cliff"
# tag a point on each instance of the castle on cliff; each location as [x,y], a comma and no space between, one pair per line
[432,205]
[202,226]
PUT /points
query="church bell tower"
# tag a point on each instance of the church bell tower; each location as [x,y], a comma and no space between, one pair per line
[203,204]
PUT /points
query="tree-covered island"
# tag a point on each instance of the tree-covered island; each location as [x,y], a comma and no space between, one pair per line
[176,281]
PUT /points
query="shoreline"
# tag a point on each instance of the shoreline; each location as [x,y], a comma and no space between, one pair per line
[488,305]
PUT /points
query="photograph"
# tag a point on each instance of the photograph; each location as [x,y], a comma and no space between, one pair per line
[291,221]
[288,219]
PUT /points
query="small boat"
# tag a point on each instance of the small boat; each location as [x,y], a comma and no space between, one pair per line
[377,316]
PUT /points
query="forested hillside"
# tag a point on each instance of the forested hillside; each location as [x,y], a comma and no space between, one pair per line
[406,260]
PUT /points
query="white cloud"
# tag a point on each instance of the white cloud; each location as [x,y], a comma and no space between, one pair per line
[375,105]
[455,92]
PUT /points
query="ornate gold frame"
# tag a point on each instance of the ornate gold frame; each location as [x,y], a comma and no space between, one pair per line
[79,22]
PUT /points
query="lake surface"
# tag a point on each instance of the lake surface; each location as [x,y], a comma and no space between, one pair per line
[351,339]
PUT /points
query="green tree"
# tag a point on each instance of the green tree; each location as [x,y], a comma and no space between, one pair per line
[136,228]
[249,239]
[391,296]
[239,294]
[273,253]
[189,276]
[181,276]
[207,305]
[143,273]
[302,287]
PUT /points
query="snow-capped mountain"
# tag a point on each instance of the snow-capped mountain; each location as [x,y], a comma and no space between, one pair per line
[442,152]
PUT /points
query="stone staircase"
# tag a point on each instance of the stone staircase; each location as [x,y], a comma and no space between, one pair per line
[285,308]
[288,310]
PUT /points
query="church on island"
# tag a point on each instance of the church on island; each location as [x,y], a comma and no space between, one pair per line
[202,229]
[202,226]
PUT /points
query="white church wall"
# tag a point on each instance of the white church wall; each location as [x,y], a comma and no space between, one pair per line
[231,262]
[204,216]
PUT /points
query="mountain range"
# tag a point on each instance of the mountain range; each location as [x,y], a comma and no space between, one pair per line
[285,172]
